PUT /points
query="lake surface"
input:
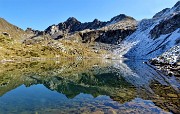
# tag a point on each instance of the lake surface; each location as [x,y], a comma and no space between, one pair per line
[86,86]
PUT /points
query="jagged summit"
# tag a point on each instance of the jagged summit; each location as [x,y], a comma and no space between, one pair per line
[72,20]
[73,25]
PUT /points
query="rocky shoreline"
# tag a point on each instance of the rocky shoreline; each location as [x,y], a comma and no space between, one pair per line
[166,68]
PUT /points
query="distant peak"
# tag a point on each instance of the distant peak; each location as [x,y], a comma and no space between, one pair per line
[96,20]
[121,17]
[72,19]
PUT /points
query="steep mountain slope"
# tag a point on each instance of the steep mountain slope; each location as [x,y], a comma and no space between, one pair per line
[153,36]
[11,30]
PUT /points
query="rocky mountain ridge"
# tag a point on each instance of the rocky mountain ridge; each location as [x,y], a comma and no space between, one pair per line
[110,32]
[72,24]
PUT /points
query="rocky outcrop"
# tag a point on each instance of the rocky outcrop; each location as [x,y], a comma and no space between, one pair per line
[169,62]
[166,26]
[34,32]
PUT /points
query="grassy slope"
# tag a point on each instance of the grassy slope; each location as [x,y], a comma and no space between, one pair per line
[13,30]
[10,49]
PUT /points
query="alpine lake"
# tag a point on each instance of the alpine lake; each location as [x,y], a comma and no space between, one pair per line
[89,86]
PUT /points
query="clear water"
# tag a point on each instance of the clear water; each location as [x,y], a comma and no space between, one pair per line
[88,86]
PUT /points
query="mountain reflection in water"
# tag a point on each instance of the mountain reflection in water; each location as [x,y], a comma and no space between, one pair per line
[86,86]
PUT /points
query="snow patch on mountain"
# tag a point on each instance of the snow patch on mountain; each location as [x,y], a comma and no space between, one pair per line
[171,56]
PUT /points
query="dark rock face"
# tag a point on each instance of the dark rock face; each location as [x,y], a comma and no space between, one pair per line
[34,32]
[166,26]
[92,25]
[108,37]
[70,25]
[114,36]
[6,34]
[170,22]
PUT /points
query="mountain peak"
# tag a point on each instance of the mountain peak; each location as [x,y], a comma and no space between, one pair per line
[72,19]
[96,20]
[120,18]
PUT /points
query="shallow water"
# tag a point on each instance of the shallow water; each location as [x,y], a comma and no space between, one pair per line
[88,86]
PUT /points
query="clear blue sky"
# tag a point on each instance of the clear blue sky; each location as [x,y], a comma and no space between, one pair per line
[39,14]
